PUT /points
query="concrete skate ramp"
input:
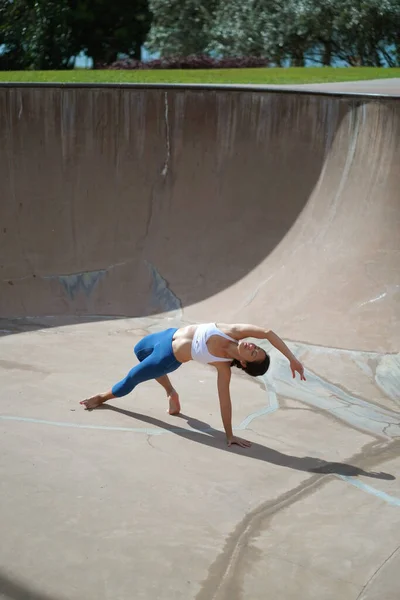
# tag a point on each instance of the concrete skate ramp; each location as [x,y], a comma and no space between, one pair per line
[261,206]
[172,206]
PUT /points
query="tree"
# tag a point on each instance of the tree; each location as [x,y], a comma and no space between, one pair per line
[48,34]
[35,34]
[358,32]
[104,28]
[14,17]
[262,28]
[267,28]
[50,37]
[287,30]
[238,28]
[180,27]
[365,30]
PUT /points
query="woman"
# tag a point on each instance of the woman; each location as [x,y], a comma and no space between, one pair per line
[221,346]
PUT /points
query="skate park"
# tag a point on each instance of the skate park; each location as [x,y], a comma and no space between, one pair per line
[128,209]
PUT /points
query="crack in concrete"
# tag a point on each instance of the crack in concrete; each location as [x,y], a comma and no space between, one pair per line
[149,215]
[148,436]
[228,569]
[312,569]
[164,172]
[359,597]
[225,573]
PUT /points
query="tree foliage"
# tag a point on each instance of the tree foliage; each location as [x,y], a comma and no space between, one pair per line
[180,26]
[365,31]
[104,28]
[238,28]
[45,34]
[13,29]
[49,36]
[357,32]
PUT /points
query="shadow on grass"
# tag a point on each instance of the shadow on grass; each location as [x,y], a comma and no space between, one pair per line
[208,436]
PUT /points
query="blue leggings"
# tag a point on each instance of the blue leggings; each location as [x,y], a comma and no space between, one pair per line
[156,359]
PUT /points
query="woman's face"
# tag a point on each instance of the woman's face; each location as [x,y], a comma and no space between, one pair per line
[250,352]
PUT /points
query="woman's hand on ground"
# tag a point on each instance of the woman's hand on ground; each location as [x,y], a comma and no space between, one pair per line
[239,441]
[296,366]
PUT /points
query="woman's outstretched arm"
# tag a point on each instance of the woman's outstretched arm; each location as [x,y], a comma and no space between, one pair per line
[243,331]
[280,345]
[223,383]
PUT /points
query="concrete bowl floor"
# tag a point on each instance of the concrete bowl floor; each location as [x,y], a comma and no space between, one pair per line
[128,501]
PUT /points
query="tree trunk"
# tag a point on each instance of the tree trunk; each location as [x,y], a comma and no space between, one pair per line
[298,58]
[137,53]
[327,54]
[278,59]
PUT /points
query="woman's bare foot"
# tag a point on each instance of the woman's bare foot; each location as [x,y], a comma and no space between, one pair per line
[92,402]
[174,404]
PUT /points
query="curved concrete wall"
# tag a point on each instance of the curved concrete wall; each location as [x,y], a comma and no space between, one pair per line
[269,207]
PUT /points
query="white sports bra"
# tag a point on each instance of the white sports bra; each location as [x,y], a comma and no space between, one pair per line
[200,351]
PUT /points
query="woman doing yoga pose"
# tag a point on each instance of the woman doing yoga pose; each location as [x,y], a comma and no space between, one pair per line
[221,346]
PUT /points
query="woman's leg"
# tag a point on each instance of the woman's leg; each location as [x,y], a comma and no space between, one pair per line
[159,360]
[172,395]
[165,343]
[152,367]
[142,349]
[149,368]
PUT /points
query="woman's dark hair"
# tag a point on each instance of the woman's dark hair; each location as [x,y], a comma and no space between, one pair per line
[255,369]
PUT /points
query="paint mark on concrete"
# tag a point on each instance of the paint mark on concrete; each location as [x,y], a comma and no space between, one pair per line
[392,500]
[176,430]
[364,366]
[85,281]
[272,406]
[391,290]
[79,281]
[145,430]
[162,297]
[331,398]
[373,300]
[387,376]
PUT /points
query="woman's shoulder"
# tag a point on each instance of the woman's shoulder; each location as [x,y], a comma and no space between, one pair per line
[231,329]
[239,331]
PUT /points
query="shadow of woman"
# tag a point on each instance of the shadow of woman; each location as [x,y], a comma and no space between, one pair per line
[204,434]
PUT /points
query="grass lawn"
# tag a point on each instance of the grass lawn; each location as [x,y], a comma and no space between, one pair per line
[256,76]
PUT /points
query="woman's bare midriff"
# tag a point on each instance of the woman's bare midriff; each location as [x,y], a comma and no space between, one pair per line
[182,343]
[183,338]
